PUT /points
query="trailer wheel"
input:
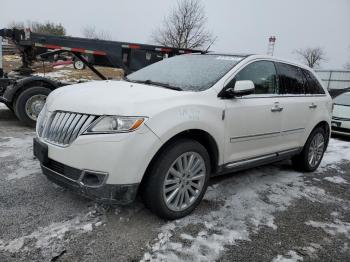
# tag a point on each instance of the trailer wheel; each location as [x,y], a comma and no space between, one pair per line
[29,104]
[77,64]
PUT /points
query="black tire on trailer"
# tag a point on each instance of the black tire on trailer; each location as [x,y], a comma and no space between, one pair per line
[310,158]
[177,180]
[78,65]
[29,104]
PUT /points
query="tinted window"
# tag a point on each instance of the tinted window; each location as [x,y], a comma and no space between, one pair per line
[188,72]
[312,86]
[263,75]
[291,79]
[343,99]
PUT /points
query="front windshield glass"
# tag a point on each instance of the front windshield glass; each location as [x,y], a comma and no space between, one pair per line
[343,99]
[187,72]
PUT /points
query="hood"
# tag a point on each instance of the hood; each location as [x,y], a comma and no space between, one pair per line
[112,98]
[341,111]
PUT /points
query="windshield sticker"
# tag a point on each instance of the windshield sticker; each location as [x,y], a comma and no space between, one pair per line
[230,58]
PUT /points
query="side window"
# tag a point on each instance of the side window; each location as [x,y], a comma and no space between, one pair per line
[263,75]
[291,79]
[312,86]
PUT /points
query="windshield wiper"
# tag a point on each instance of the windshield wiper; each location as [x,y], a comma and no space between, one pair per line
[150,82]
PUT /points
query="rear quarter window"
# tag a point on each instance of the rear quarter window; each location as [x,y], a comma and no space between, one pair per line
[312,86]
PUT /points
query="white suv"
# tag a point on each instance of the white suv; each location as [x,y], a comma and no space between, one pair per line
[166,129]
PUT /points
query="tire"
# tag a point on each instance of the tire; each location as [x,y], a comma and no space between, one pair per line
[21,109]
[78,65]
[153,189]
[301,162]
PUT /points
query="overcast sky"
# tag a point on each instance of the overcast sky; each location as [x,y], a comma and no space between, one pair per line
[242,26]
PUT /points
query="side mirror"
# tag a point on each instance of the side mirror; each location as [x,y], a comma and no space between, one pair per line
[240,88]
[243,87]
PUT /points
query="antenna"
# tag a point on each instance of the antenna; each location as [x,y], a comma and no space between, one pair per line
[271,45]
[211,43]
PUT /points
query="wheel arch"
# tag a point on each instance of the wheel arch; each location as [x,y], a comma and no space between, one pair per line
[325,126]
[201,136]
[23,84]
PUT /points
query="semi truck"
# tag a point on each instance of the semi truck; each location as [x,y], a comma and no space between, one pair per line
[25,94]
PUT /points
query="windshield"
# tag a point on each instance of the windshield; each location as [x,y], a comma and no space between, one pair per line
[186,72]
[343,99]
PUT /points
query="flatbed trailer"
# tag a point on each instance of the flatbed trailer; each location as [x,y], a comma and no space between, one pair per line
[25,94]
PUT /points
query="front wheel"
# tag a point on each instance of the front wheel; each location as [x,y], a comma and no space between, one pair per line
[29,104]
[310,158]
[178,180]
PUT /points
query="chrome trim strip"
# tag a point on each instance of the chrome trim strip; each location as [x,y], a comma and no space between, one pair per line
[75,181]
[247,161]
[263,157]
[258,136]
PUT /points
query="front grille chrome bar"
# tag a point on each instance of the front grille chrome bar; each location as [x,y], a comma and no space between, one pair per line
[62,128]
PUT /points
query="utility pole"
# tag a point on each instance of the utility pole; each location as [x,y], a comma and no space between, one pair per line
[271,45]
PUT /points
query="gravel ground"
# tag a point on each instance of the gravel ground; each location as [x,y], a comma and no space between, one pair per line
[270,213]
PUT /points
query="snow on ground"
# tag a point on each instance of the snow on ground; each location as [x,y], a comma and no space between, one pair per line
[55,74]
[16,155]
[291,256]
[246,203]
[336,179]
[50,240]
[2,106]
[337,227]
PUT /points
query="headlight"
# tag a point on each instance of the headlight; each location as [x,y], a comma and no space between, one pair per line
[115,124]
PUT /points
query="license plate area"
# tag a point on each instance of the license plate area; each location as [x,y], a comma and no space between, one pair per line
[40,151]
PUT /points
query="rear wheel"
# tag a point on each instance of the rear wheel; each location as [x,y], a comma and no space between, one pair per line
[178,180]
[310,158]
[29,104]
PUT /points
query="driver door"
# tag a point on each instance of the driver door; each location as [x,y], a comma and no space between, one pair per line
[253,122]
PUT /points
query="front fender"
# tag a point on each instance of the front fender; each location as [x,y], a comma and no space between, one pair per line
[169,123]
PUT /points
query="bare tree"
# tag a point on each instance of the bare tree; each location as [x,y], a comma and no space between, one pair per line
[37,27]
[311,56]
[184,27]
[93,33]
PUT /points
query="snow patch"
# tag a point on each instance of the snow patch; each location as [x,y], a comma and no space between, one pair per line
[338,227]
[17,153]
[55,74]
[291,256]
[50,240]
[3,106]
[336,179]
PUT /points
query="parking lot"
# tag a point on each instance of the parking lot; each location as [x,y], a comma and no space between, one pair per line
[270,213]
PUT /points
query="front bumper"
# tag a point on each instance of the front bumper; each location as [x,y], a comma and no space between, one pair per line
[106,193]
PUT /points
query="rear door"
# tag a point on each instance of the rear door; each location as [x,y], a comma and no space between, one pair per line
[253,122]
[295,104]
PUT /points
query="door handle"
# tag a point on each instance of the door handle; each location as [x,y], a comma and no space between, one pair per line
[276,108]
[312,106]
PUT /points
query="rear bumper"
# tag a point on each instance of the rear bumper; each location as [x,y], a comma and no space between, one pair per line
[106,193]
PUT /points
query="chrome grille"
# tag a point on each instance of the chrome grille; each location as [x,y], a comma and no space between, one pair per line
[62,128]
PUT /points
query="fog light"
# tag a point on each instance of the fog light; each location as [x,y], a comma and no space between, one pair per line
[93,179]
